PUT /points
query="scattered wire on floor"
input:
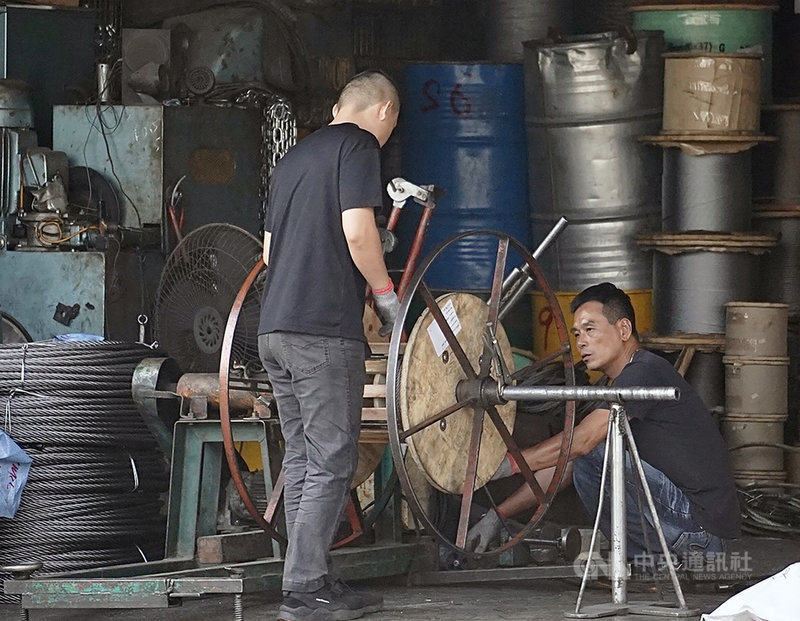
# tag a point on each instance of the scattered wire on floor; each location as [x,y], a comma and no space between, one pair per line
[770,509]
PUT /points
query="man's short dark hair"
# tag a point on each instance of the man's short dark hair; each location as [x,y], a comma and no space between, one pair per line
[616,303]
[368,88]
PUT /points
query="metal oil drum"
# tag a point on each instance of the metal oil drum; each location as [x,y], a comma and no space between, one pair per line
[756,329]
[592,251]
[710,192]
[587,100]
[695,275]
[756,385]
[739,430]
[462,130]
[713,27]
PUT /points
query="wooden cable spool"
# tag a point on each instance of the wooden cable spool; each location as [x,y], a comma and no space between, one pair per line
[428,384]
[438,412]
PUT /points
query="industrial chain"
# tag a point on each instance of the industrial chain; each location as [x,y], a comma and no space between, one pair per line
[278,133]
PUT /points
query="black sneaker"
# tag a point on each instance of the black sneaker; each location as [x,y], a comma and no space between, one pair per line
[364,600]
[324,604]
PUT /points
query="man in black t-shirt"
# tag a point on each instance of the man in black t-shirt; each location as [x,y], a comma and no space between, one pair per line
[322,249]
[683,453]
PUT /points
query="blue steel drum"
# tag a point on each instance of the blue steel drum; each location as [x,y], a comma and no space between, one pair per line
[463,130]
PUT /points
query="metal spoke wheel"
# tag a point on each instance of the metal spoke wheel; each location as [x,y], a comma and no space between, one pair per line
[444,407]
[233,377]
[240,374]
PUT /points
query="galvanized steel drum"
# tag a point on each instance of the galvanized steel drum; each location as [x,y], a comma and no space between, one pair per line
[588,252]
[720,27]
[593,77]
[463,131]
[586,102]
[776,164]
[780,273]
[510,22]
[710,192]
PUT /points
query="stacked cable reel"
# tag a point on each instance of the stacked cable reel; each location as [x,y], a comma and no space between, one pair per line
[445,414]
[94,491]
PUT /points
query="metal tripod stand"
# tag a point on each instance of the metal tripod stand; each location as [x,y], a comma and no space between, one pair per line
[619,432]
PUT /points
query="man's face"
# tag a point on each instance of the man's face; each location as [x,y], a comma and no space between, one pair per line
[600,343]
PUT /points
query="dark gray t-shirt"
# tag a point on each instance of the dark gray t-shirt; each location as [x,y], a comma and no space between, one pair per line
[313,286]
[682,440]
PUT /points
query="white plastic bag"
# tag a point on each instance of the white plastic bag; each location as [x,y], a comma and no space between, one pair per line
[772,599]
[14,467]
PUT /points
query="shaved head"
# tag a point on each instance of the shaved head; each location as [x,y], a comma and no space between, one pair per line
[366,89]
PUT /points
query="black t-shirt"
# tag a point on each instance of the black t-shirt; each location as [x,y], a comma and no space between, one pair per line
[681,439]
[313,286]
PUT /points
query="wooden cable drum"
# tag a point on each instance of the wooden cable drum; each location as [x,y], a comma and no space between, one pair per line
[446,415]
[371,447]
[428,384]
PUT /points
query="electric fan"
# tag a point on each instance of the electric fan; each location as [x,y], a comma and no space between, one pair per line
[198,285]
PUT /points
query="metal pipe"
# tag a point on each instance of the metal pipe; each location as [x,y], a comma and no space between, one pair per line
[207,385]
[589,393]
[618,555]
[625,430]
[519,280]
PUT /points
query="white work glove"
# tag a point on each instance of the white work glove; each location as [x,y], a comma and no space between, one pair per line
[387,305]
[485,532]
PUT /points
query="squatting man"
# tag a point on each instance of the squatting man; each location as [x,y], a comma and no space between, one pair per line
[684,457]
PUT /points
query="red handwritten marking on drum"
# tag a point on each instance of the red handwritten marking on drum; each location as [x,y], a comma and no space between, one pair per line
[426,92]
[460,103]
[546,320]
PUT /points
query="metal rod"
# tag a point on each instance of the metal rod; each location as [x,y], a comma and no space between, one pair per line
[619,552]
[626,431]
[598,515]
[519,280]
[589,393]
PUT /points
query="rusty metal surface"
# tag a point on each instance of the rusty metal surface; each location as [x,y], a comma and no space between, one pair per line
[207,385]
[231,456]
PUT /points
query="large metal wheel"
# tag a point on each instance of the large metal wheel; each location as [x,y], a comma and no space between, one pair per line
[439,414]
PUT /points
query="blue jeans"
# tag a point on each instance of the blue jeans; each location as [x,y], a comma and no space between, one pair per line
[318,384]
[683,534]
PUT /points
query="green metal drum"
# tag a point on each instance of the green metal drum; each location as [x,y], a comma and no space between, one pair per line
[713,28]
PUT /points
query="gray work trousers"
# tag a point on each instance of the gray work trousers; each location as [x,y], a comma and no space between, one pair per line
[318,384]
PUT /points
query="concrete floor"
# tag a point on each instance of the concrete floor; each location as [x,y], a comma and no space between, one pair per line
[543,600]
